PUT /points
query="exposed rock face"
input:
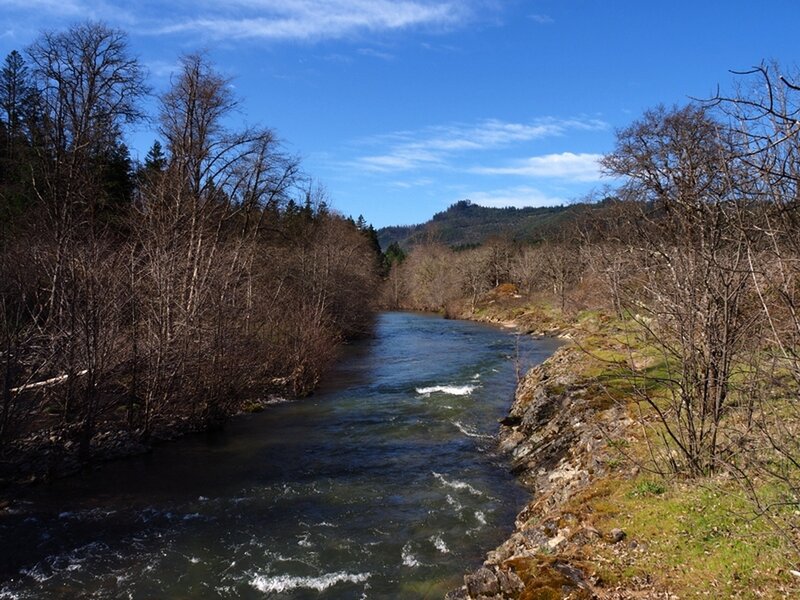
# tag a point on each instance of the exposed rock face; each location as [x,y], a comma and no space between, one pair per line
[490,583]
[555,433]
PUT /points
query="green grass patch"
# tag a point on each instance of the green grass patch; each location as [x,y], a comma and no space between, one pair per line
[431,588]
[692,539]
[648,487]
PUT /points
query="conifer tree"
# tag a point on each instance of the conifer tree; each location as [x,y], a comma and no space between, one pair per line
[16,94]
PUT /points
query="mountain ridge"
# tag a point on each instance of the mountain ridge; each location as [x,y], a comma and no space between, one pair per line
[466,224]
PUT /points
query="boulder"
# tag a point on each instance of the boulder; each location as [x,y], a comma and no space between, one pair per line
[482,582]
[616,535]
[510,584]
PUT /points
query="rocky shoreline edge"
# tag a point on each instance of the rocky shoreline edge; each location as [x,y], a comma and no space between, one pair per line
[556,435]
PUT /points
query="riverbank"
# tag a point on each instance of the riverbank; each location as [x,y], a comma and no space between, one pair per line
[599,524]
[52,452]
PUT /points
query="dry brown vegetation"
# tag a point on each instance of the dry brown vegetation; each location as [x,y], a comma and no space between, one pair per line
[165,297]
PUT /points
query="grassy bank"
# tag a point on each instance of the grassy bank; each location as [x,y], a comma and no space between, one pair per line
[606,519]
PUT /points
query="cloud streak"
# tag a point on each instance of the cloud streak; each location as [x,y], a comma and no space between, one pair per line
[541,19]
[566,165]
[67,7]
[270,20]
[29,17]
[436,145]
[312,20]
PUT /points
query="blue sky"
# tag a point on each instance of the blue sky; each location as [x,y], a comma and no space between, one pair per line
[401,107]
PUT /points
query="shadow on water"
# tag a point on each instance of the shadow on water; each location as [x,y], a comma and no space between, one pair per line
[383,484]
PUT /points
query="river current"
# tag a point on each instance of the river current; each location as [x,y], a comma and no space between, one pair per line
[386,483]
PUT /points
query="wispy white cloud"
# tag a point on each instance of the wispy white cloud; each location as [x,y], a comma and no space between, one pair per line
[9,34]
[312,19]
[442,48]
[516,196]
[566,165]
[372,53]
[402,159]
[67,7]
[30,17]
[435,145]
[162,68]
[337,57]
[306,20]
[542,19]
[412,183]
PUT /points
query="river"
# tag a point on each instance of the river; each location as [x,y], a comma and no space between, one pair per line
[386,483]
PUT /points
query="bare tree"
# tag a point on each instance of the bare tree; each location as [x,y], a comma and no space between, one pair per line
[478,271]
[764,117]
[692,283]
[88,87]
[432,282]
[527,268]
[205,226]
[560,267]
[499,253]
[225,276]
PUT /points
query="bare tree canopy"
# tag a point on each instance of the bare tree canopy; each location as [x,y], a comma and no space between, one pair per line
[88,85]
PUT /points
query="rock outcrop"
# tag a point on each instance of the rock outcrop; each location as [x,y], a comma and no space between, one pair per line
[556,434]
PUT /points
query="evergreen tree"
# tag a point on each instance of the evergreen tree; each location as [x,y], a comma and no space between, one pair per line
[16,107]
[155,164]
[372,235]
[307,212]
[155,161]
[394,255]
[369,232]
[16,94]
[117,177]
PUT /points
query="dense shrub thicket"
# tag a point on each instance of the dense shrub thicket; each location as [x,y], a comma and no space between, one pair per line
[136,294]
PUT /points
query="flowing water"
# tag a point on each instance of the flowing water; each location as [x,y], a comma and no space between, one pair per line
[385,483]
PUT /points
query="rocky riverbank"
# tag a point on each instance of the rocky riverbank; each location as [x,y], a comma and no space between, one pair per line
[601,523]
[557,434]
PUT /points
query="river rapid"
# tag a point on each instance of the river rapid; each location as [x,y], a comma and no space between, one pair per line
[386,483]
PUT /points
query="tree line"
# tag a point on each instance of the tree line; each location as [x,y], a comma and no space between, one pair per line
[134,295]
[697,254]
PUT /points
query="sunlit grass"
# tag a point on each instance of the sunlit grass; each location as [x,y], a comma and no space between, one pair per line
[699,539]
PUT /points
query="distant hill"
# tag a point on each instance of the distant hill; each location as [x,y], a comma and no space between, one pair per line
[467,224]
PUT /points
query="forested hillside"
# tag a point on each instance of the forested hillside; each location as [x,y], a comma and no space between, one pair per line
[137,296]
[466,224]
